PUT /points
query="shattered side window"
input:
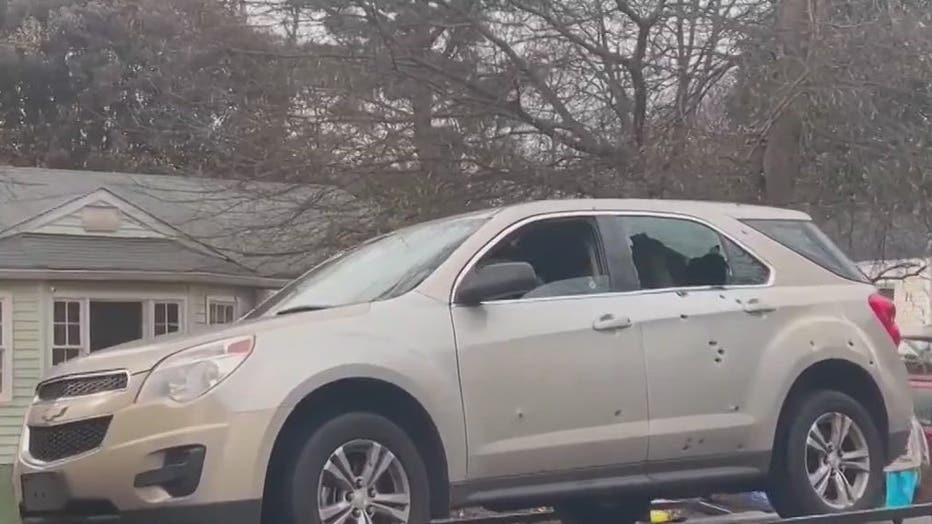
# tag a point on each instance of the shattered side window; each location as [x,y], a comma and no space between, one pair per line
[743,268]
[675,253]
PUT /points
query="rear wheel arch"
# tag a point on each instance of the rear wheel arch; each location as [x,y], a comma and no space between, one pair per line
[362,395]
[839,375]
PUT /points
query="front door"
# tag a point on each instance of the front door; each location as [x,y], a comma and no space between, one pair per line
[113,323]
[553,380]
[703,326]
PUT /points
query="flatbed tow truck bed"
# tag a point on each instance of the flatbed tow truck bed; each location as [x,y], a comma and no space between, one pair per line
[700,511]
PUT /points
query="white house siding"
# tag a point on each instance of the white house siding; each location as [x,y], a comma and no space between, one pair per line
[28,363]
[912,302]
[73,224]
[32,306]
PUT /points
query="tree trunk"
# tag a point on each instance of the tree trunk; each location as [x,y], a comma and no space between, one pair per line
[782,156]
[434,164]
[428,154]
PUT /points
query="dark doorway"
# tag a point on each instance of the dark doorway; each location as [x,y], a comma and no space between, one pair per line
[113,323]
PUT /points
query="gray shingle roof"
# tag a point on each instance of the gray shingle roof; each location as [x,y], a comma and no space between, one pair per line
[275,229]
[62,252]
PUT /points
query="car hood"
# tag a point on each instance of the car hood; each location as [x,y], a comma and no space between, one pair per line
[141,356]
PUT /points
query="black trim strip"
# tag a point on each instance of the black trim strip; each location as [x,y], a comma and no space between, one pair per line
[675,478]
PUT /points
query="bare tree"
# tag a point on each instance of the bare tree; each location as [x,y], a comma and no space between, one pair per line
[426,107]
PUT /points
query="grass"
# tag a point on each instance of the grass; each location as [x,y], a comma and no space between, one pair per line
[8,513]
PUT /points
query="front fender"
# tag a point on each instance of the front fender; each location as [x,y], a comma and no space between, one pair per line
[407,343]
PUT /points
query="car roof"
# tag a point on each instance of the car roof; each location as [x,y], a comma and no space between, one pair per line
[697,208]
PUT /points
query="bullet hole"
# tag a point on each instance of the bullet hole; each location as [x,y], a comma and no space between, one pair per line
[733,408]
[872,362]
[723,297]
[812,343]
[851,343]
[520,414]
[721,351]
[617,412]
[740,446]
[684,316]
[713,343]
[738,300]
[718,360]
[688,444]
[701,441]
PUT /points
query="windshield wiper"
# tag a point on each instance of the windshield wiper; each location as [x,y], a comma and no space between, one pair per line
[302,309]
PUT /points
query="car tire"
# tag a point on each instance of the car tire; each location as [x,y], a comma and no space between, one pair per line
[357,464]
[801,452]
[622,511]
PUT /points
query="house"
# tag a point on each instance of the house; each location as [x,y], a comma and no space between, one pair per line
[908,282]
[893,247]
[89,260]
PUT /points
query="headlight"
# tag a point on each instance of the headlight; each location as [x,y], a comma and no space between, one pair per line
[193,372]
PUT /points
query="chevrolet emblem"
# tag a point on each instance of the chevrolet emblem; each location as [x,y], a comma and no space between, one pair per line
[54,413]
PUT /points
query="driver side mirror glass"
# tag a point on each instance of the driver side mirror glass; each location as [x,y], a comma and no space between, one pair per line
[496,282]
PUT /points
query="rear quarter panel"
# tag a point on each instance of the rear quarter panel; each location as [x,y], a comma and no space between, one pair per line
[815,324]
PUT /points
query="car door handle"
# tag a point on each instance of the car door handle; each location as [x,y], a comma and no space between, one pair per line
[755,306]
[610,322]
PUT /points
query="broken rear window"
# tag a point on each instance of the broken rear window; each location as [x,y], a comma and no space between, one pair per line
[805,238]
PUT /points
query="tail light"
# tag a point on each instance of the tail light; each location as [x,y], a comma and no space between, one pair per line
[885,310]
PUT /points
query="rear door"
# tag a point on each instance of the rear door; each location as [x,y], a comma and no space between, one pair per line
[554,380]
[703,314]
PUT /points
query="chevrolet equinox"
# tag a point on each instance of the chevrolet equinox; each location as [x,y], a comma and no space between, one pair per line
[587,355]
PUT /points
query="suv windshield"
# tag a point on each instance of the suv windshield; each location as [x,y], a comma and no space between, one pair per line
[382,268]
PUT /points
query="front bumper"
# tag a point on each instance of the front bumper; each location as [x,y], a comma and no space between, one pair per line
[159,462]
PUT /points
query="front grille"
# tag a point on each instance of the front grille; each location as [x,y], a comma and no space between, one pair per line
[81,386]
[67,440]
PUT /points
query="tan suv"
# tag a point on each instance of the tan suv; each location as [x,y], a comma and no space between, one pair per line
[586,354]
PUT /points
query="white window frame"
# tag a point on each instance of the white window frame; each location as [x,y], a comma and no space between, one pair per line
[151,321]
[83,327]
[85,299]
[6,345]
[221,301]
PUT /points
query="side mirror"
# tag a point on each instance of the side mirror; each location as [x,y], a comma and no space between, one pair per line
[496,281]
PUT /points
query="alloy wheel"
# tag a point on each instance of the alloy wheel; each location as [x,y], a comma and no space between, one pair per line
[837,460]
[363,482]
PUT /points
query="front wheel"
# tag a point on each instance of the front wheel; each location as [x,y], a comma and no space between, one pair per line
[359,468]
[831,461]
[627,511]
